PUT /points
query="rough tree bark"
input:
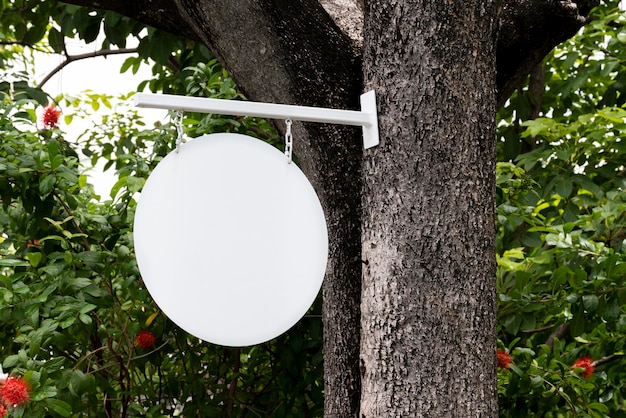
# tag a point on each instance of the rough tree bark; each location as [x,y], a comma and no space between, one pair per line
[428,342]
[434,114]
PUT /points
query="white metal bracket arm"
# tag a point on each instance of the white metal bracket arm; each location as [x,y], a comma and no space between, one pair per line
[367,117]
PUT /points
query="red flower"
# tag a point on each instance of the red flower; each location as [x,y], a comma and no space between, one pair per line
[50,117]
[145,339]
[504,359]
[585,363]
[3,411]
[14,391]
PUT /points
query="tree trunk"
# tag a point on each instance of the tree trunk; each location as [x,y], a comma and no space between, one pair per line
[428,344]
[428,298]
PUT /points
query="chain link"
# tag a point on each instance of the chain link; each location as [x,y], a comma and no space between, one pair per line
[288,141]
[179,129]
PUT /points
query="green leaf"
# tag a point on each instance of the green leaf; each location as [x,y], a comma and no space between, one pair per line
[34,258]
[53,149]
[58,406]
[91,31]
[596,406]
[36,94]
[564,187]
[135,184]
[560,276]
[12,262]
[577,325]
[87,308]
[613,114]
[78,283]
[525,351]
[117,187]
[85,319]
[514,253]
[517,370]
[607,396]
[46,184]
[512,324]
[56,40]
[35,33]
[67,322]
[590,302]
[536,382]
[11,361]
[35,343]
[90,258]
[537,126]
[611,308]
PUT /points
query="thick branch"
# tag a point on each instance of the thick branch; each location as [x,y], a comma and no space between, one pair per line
[161,14]
[529,29]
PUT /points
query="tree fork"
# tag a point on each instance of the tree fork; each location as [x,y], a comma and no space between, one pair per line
[292,52]
[527,29]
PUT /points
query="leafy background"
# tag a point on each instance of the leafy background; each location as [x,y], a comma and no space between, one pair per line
[72,301]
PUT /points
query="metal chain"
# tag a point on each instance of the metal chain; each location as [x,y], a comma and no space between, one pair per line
[179,129]
[288,141]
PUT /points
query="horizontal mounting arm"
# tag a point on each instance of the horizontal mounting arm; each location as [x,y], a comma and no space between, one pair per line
[367,117]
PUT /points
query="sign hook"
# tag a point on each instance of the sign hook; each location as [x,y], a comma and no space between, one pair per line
[288,141]
[179,129]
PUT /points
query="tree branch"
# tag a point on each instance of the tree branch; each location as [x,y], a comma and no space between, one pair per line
[606,359]
[85,243]
[72,58]
[161,14]
[528,29]
[559,332]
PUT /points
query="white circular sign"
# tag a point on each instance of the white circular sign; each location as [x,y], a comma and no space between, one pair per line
[230,239]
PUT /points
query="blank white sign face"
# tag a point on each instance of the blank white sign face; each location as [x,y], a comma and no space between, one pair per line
[230,239]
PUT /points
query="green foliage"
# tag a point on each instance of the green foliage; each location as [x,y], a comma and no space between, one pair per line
[72,301]
[71,298]
[561,210]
